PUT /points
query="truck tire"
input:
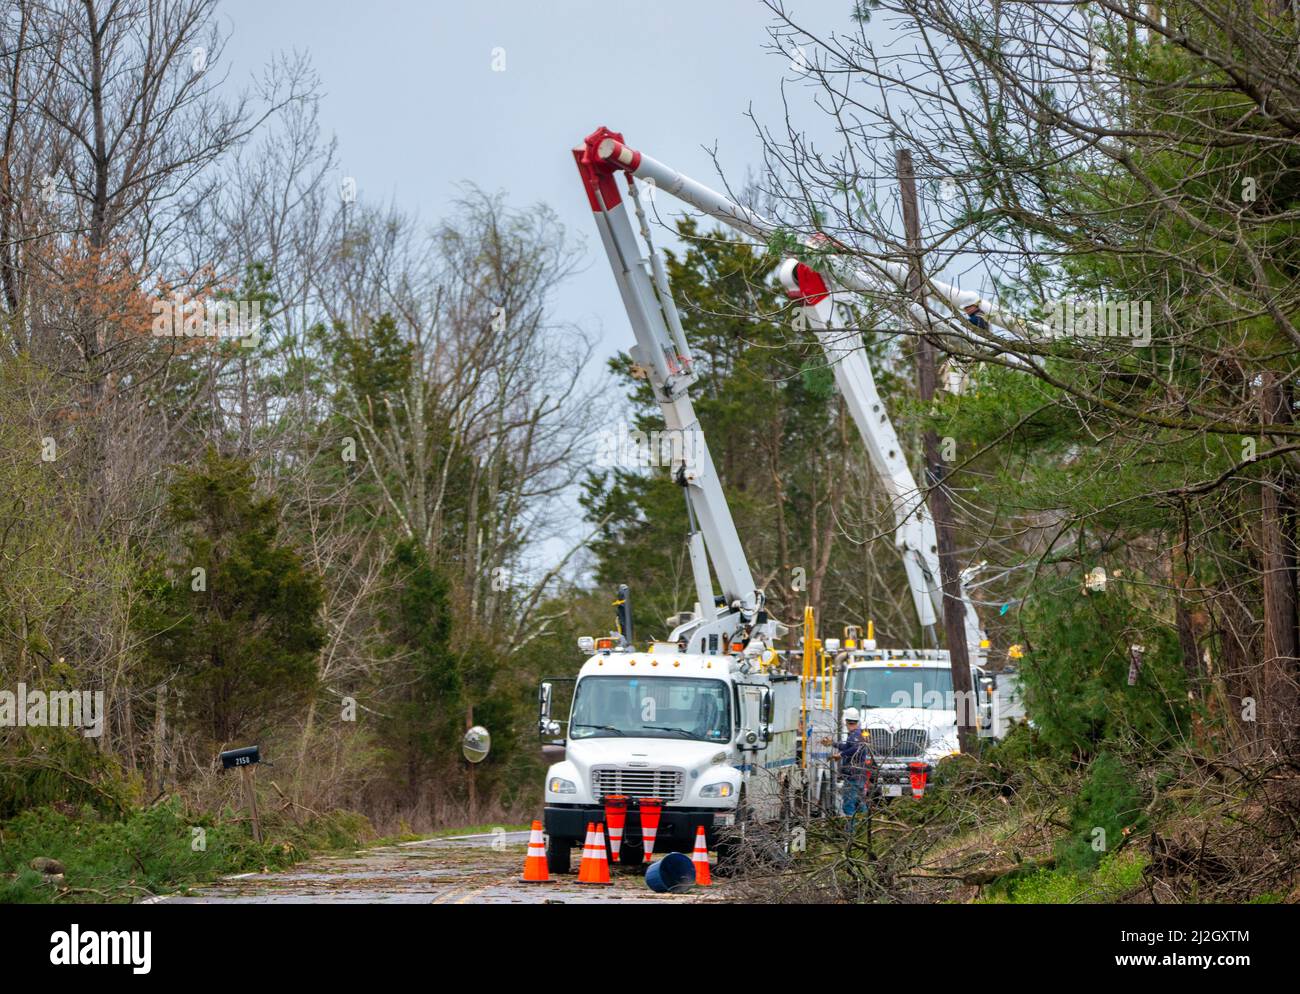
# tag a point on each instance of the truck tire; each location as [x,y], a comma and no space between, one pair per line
[559,855]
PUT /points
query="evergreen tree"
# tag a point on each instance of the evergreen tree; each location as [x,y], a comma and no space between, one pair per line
[232,624]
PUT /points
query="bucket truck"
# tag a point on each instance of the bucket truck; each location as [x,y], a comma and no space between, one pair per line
[918,731]
[704,728]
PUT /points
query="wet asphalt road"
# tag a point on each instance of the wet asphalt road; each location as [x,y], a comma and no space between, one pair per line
[469,869]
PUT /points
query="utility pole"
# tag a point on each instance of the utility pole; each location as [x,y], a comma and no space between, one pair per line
[936,473]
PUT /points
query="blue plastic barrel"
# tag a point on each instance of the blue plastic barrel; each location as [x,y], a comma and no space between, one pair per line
[673,872]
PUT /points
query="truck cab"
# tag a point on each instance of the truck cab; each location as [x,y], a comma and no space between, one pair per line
[908,708]
[712,736]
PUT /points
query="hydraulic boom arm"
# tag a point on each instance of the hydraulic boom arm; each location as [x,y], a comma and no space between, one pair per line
[662,347]
[661,352]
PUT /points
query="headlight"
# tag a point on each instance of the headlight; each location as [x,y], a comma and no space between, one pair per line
[559,785]
[716,790]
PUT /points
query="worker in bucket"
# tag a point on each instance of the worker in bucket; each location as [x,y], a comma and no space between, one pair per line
[853,763]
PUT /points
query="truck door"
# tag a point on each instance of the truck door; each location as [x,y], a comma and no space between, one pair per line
[762,791]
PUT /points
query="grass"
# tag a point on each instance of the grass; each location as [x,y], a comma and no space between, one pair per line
[1116,876]
[406,835]
[150,851]
[442,833]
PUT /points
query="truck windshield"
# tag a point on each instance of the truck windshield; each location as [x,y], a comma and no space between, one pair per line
[651,707]
[899,687]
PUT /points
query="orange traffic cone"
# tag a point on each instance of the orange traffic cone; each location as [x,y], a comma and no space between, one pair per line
[701,859]
[651,808]
[595,865]
[585,867]
[535,861]
[602,855]
[916,773]
[616,819]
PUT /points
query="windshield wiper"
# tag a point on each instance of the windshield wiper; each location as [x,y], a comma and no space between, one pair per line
[668,728]
[605,728]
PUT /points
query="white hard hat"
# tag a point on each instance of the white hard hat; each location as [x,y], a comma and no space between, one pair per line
[851,714]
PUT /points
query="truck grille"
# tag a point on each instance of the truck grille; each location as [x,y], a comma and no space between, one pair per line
[884,744]
[664,784]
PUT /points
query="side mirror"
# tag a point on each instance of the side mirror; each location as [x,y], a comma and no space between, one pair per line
[765,711]
[545,725]
[476,744]
[545,693]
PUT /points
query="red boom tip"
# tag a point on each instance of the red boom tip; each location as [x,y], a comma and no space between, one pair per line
[600,154]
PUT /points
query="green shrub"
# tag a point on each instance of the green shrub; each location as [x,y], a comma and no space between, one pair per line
[1110,802]
[1116,876]
[152,850]
[1077,690]
[47,766]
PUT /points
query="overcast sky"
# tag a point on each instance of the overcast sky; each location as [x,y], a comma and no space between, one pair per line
[413,98]
[414,101]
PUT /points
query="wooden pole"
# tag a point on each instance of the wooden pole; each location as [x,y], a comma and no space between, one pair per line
[927,375]
[1281,663]
[250,798]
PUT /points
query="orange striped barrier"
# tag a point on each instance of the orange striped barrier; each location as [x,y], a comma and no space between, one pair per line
[651,808]
[535,870]
[616,819]
[595,865]
[701,859]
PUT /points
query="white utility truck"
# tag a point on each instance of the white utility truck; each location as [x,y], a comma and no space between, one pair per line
[723,740]
[908,707]
[908,714]
[706,724]
[713,736]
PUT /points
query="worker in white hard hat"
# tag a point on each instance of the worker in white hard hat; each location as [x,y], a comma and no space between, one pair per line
[853,763]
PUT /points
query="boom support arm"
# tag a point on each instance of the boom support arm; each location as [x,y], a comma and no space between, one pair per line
[662,354]
[914,532]
[881,276]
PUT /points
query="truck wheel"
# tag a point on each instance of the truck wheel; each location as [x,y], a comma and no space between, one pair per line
[559,855]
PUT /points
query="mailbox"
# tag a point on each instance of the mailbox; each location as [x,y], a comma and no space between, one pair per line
[235,758]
